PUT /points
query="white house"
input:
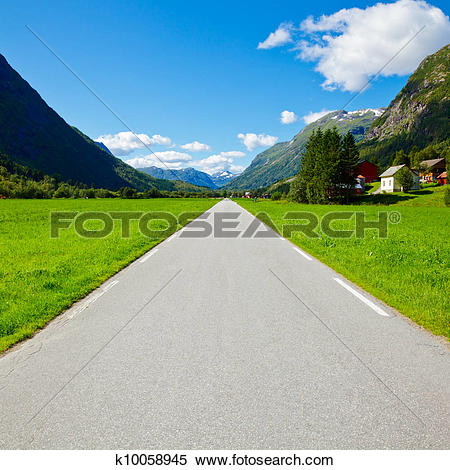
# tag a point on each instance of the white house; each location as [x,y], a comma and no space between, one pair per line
[389,183]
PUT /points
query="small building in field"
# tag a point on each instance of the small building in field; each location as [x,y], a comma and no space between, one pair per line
[431,169]
[389,183]
[366,169]
[360,184]
[442,178]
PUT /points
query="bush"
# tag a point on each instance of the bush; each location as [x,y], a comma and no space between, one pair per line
[447,196]
[276,196]
[63,191]
[127,193]
[152,193]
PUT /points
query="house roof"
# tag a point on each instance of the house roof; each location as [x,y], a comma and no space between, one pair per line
[430,163]
[391,171]
[365,160]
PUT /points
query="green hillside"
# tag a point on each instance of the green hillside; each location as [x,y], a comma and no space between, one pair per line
[283,159]
[33,134]
[419,114]
[22,182]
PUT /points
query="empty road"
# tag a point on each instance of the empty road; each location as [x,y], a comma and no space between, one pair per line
[227,343]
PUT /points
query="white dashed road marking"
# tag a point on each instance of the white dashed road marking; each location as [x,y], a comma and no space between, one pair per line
[368,302]
[303,254]
[147,256]
[92,299]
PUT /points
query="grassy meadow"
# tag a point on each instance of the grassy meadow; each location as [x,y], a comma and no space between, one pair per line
[40,276]
[409,270]
[430,195]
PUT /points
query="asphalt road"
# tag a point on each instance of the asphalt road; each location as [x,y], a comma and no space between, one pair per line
[227,343]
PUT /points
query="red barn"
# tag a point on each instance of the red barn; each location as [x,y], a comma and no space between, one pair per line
[368,170]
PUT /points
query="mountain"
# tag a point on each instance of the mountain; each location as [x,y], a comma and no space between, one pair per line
[190,175]
[103,147]
[34,135]
[283,159]
[222,177]
[199,178]
[418,115]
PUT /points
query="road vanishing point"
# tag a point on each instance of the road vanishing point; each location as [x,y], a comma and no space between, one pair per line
[227,343]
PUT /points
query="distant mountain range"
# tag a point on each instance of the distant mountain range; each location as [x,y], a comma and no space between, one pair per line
[284,159]
[418,116]
[34,135]
[190,175]
[221,178]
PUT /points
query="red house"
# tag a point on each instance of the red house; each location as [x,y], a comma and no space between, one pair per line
[442,178]
[368,170]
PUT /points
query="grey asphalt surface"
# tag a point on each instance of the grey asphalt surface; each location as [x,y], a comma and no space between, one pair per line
[226,343]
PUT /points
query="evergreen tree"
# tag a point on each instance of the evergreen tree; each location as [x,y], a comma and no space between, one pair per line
[324,186]
[327,171]
[298,191]
[401,158]
[349,160]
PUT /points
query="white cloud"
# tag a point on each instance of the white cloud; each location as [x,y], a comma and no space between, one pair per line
[123,143]
[169,158]
[236,168]
[280,37]
[196,147]
[233,154]
[288,117]
[252,141]
[218,162]
[311,117]
[352,45]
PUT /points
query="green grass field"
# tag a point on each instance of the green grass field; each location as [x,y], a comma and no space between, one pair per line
[371,187]
[410,270]
[429,196]
[40,277]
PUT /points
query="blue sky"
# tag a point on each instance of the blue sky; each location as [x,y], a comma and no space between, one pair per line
[192,71]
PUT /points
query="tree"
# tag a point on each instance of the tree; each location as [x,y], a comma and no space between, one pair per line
[428,153]
[152,193]
[64,190]
[326,184]
[414,157]
[347,164]
[404,179]
[401,158]
[298,191]
[327,171]
[127,193]
[276,196]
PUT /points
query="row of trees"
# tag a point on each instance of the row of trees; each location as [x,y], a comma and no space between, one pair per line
[416,156]
[19,187]
[15,186]
[326,174]
[21,182]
